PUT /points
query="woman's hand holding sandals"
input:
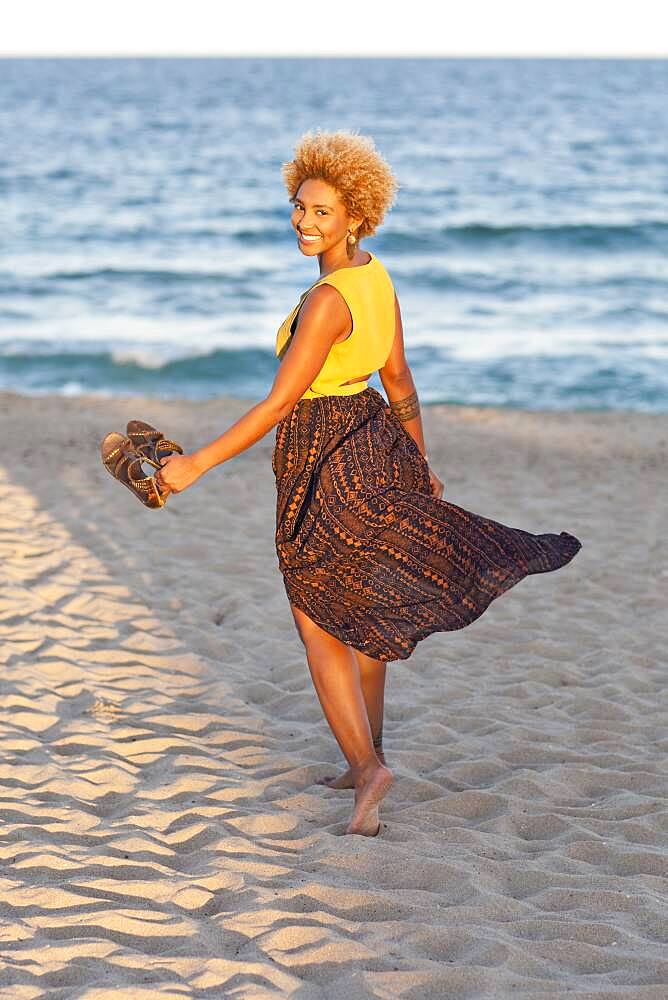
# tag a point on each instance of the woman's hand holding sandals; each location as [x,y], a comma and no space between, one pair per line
[178,472]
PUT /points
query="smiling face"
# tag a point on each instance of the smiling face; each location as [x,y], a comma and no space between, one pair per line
[320,218]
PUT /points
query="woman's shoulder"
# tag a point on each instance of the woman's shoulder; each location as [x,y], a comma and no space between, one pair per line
[325,298]
[352,277]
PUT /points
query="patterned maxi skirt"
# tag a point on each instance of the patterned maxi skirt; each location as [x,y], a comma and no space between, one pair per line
[366,550]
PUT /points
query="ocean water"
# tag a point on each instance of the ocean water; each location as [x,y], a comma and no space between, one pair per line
[146,244]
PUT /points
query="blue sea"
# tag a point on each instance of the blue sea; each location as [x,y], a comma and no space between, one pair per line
[147,246]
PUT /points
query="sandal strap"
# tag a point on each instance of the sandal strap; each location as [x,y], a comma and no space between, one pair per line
[147,458]
[147,434]
[149,453]
[112,455]
[166,443]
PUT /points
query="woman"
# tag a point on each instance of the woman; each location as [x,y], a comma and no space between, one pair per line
[373,559]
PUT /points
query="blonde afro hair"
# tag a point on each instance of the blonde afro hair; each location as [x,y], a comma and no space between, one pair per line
[352,165]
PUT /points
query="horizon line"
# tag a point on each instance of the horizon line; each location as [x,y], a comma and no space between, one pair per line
[327,55]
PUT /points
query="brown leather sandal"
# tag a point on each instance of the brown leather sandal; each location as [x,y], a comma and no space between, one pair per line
[150,443]
[124,463]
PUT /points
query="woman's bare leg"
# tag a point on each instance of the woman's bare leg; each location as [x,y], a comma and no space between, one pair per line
[336,677]
[372,678]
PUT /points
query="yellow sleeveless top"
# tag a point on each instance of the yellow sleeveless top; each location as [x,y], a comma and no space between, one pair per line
[369,294]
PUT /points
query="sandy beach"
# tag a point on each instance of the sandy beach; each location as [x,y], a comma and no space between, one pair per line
[162,835]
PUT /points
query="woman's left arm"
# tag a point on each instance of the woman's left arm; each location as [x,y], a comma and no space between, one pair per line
[322,318]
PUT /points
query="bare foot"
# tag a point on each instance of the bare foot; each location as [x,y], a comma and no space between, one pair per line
[368,795]
[345,780]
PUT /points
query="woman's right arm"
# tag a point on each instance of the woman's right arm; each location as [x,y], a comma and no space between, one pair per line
[322,318]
